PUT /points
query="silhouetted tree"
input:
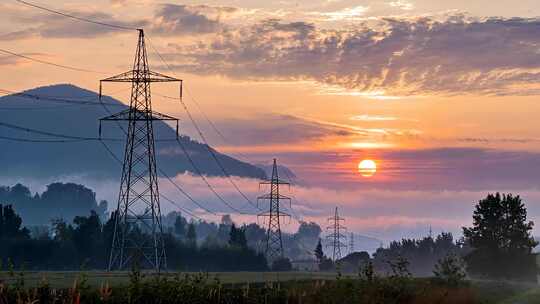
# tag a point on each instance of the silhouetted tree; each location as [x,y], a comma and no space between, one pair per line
[319,254]
[500,239]
[180,226]
[11,224]
[237,237]
[191,235]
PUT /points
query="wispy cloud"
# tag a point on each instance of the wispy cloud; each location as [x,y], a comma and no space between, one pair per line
[398,57]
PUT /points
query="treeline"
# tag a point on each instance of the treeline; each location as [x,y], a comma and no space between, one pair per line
[421,255]
[67,201]
[499,245]
[59,200]
[85,244]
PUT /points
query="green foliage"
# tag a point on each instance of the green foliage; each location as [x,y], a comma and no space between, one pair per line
[501,239]
[450,270]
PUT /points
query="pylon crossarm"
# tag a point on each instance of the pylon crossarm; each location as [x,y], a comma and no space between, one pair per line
[141,115]
[272,196]
[267,214]
[280,182]
[133,76]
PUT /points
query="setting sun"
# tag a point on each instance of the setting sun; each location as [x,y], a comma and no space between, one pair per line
[367,167]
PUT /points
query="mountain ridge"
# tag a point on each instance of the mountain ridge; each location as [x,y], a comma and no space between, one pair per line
[88,158]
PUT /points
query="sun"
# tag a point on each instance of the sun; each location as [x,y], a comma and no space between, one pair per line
[367,167]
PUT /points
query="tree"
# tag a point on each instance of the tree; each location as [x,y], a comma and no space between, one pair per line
[180,224]
[237,237]
[10,224]
[87,237]
[191,235]
[319,254]
[501,239]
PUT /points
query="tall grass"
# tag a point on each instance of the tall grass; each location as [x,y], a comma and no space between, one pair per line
[203,288]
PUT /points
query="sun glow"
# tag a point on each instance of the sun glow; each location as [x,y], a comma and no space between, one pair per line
[367,167]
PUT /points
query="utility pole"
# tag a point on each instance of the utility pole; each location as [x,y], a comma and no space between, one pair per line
[274,243]
[336,238]
[351,243]
[138,232]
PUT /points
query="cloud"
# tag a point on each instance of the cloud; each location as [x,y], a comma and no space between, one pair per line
[172,19]
[440,169]
[270,129]
[54,26]
[365,117]
[396,56]
[380,213]
[384,212]
[167,19]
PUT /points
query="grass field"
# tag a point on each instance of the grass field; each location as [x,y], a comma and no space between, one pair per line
[61,279]
[484,291]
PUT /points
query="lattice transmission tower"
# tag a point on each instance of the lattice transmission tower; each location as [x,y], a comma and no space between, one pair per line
[138,232]
[274,243]
[336,238]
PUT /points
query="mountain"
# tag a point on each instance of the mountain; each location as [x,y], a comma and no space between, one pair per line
[284,173]
[89,158]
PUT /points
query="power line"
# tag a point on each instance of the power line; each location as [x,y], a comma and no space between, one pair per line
[39,140]
[121,27]
[198,171]
[209,121]
[117,159]
[194,167]
[66,138]
[180,207]
[87,101]
[199,131]
[35,131]
[48,62]
[184,192]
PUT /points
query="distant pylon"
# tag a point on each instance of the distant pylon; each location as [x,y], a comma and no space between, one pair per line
[138,232]
[351,243]
[274,243]
[336,236]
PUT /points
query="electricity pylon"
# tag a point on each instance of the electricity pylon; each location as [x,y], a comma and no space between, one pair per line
[274,243]
[138,232]
[336,238]
[351,243]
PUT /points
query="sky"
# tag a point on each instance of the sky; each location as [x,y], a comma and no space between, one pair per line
[442,95]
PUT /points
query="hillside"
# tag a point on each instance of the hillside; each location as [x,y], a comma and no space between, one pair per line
[88,158]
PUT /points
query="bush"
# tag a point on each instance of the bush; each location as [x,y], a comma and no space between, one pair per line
[450,270]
